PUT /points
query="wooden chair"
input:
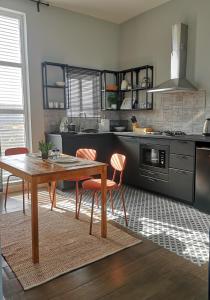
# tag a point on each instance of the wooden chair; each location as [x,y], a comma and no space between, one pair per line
[118,162]
[14,151]
[89,154]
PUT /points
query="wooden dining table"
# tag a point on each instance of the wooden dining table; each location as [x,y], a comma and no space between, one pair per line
[34,170]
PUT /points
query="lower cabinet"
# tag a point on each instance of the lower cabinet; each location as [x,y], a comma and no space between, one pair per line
[129,146]
[154,184]
[181,185]
[102,143]
[177,183]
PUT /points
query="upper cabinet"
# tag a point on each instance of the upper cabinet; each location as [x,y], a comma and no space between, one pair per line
[55,87]
[127,89]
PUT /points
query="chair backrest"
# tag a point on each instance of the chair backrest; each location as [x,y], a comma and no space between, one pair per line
[17,150]
[118,162]
[89,154]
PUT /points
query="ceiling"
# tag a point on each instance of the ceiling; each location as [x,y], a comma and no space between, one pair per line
[117,11]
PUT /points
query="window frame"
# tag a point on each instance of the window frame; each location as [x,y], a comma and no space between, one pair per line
[25,74]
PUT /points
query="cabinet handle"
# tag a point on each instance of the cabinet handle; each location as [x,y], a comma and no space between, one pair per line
[182,142]
[150,172]
[152,179]
[131,140]
[181,172]
[184,157]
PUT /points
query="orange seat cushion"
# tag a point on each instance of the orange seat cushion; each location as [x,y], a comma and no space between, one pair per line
[95,184]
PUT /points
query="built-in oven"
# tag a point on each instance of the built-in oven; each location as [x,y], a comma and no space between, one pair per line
[154,157]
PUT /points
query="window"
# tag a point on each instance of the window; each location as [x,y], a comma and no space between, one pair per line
[13,87]
[84,91]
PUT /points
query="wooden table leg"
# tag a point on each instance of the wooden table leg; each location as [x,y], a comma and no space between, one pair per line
[54,193]
[103,202]
[34,222]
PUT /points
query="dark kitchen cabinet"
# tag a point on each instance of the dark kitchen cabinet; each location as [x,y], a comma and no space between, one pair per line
[153,184]
[181,185]
[182,170]
[102,143]
[182,162]
[177,181]
[129,146]
[182,147]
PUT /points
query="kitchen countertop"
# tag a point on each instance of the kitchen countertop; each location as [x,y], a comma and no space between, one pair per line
[188,137]
[80,134]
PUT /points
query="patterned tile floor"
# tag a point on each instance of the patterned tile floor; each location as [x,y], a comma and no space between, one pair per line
[175,226]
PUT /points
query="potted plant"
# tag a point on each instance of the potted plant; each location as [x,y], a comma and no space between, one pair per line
[112,100]
[45,148]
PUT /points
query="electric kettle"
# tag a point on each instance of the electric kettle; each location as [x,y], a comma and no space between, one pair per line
[206,127]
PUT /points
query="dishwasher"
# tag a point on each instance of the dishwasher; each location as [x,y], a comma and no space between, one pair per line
[202,179]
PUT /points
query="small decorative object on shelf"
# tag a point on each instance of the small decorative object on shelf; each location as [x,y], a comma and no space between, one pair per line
[111,87]
[112,100]
[145,82]
[126,104]
[44,148]
[124,85]
[60,83]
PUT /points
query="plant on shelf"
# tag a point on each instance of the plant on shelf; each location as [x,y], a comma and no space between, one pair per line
[112,100]
[44,148]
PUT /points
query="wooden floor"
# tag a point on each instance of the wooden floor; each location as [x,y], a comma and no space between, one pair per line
[145,271]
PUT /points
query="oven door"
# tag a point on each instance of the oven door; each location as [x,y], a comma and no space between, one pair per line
[154,157]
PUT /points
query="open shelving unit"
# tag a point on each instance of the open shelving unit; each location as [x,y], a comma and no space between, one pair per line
[54,96]
[136,98]
[113,98]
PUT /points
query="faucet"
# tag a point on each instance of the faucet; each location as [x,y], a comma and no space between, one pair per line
[82,113]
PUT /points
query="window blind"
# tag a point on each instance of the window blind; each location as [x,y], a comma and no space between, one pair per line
[84,91]
[12,75]
[10,43]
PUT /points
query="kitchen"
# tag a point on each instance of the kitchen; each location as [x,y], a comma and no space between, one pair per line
[137,86]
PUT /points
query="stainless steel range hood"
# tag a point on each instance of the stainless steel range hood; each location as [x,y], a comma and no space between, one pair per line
[178,81]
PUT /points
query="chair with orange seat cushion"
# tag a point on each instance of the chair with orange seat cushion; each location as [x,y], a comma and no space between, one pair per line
[118,162]
[14,151]
[89,154]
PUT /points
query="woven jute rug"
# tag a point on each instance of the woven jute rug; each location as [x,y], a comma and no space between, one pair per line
[65,244]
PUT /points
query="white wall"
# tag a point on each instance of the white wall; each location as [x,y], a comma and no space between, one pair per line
[62,36]
[147,39]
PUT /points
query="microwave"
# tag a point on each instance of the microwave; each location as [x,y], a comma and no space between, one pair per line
[154,157]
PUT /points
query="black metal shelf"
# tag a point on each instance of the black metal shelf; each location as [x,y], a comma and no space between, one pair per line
[137,98]
[132,109]
[54,108]
[110,91]
[59,71]
[135,75]
[54,86]
[127,91]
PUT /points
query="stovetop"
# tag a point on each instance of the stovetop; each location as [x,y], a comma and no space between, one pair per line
[173,133]
[169,133]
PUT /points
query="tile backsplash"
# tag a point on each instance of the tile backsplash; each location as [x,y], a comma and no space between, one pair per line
[180,111]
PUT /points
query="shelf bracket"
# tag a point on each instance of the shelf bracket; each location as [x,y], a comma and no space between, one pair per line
[40,2]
